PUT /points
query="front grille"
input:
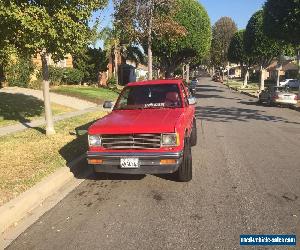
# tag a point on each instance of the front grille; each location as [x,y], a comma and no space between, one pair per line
[131,141]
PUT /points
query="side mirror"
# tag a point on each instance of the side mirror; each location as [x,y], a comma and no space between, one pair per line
[108,105]
[80,132]
[192,100]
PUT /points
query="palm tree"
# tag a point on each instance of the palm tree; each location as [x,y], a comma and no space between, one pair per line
[116,48]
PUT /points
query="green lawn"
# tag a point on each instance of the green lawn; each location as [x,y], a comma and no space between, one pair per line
[26,157]
[238,84]
[16,108]
[92,94]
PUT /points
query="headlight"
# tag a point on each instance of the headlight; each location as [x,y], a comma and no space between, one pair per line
[94,140]
[171,139]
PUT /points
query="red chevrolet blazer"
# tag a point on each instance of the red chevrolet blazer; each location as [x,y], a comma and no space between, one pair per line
[150,131]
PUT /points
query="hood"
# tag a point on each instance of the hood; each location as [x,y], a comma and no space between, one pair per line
[137,121]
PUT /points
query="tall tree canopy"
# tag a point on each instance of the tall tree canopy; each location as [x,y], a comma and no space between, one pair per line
[139,21]
[237,53]
[257,45]
[236,50]
[222,32]
[172,51]
[282,22]
[47,27]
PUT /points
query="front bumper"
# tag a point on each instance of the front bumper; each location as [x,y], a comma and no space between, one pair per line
[149,162]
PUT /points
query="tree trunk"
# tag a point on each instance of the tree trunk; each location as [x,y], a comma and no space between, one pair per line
[150,74]
[213,70]
[187,73]
[183,71]
[227,72]
[48,112]
[262,79]
[278,78]
[298,63]
[116,62]
[246,77]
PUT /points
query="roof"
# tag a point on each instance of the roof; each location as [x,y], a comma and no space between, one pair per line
[285,66]
[160,81]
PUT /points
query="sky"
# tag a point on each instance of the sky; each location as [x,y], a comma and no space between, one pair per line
[239,10]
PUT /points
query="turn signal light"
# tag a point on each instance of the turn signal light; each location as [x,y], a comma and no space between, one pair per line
[95,161]
[167,161]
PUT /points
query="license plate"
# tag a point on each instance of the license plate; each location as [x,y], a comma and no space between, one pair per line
[287,97]
[129,163]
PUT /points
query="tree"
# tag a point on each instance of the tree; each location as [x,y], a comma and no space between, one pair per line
[172,51]
[116,47]
[222,32]
[282,22]
[237,54]
[259,46]
[140,20]
[90,61]
[47,27]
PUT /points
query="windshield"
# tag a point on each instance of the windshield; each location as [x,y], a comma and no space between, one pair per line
[149,96]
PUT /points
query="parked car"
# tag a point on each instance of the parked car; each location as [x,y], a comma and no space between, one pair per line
[292,83]
[193,85]
[150,131]
[217,78]
[278,95]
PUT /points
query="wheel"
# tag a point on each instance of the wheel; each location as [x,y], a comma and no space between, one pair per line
[185,170]
[194,133]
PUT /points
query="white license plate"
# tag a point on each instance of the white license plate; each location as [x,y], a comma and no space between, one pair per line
[129,163]
[287,97]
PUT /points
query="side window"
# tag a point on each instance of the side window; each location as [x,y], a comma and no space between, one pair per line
[184,94]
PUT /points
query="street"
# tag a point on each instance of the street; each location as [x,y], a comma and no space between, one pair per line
[246,181]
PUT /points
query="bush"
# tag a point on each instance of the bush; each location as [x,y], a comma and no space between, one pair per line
[18,73]
[72,76]
[111,82]
[56,75]
[270,82]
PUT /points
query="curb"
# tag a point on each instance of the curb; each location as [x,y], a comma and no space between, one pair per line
[17,209]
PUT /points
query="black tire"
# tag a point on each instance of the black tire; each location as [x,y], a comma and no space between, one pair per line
[185,170]
[194,133]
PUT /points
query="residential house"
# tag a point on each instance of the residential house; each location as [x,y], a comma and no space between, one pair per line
[67,62]
[288,69]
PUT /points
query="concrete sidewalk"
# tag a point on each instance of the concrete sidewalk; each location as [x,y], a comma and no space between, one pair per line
[39,122]
[68,101]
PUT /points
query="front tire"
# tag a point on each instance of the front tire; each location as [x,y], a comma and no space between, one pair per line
[185,170]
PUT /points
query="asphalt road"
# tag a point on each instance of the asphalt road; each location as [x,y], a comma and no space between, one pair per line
[246,181]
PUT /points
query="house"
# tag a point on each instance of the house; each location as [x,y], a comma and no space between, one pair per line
[288,69]
[67,62]
[235,70]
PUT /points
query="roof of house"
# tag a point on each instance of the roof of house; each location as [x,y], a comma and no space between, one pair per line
[289,65]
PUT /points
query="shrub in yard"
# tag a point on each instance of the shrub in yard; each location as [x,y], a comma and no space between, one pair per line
[18,72]
[111,82]
[270,82]
[73,76]
[56,75]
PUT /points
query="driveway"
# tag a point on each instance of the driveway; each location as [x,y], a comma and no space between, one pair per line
[246,181]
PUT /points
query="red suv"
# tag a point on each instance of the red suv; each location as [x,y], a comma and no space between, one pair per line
[150,131]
